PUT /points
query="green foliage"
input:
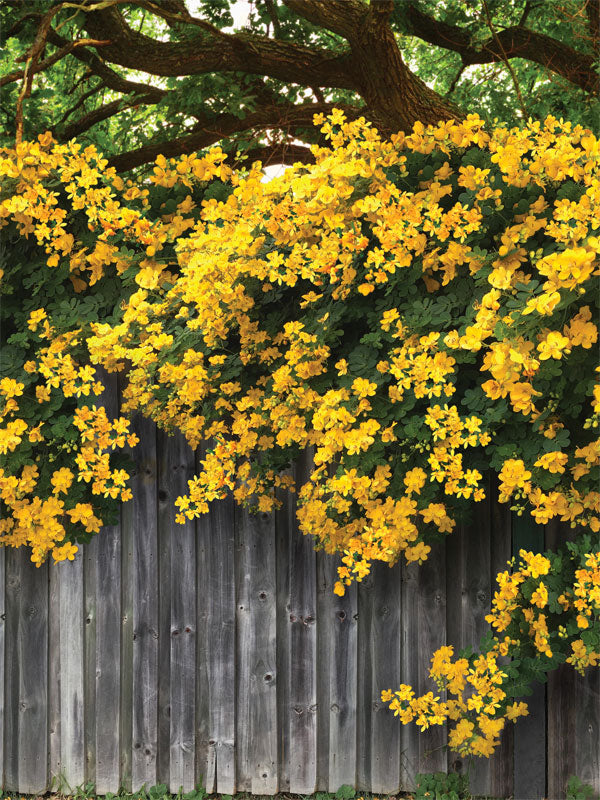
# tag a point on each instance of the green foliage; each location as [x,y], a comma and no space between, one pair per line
[578,790]
[441,786]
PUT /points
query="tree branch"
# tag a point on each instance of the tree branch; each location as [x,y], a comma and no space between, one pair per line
[513,42]
[213,129]
[104,112]
[513,74]
[592,9]
[48,62]
[272,11]
[274,153]
[338,16]
[257,55]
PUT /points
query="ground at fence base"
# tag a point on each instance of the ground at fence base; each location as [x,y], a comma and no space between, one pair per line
[431,786]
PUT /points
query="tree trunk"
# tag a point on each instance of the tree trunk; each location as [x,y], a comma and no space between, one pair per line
[395,97]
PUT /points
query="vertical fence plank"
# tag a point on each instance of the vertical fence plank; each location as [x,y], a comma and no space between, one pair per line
[11,681]
[217,607]
[2,640]
[339,621]
[423,631]
[432,634]
[179,468]
[502,762]
[72,738]
[587,698]
[145,608]
[54,767]
[409,755]
[166,534]
[284,520]
[126,654]
[303,654]
[263,678]
[379,667]
[256,678]
[108,659]
[202,749]
[324,644]
[26,732]
[103,637]
[245,549]
[573,709]
[468,601]
[530,731]
[90,579]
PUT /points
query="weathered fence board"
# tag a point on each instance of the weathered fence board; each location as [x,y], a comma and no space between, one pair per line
[72,672]
[2,629]
[26,665]
[216,654]
[145,609]
[530,733]
[302,674]
[179,465]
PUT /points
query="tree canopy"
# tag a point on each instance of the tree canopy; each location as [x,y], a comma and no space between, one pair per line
[169,77]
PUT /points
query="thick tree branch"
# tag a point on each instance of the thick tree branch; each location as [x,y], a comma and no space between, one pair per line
[513,42]
[111,79]
[104,112]
[275,153]
[256,55]
[338,16]
[213,129]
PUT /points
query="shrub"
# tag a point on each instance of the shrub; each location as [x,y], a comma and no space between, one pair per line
[416,311]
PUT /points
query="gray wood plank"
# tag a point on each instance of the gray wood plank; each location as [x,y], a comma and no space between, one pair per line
[217,608]
[145,608]
[107,660]
[90,610]
[103,638]
[28,659]
[284,521]
[468,574]
[72,740]
[13,590]
[324,635]
[166,524]
[202,748]
[256,678]
[245,547]
[587,724]
[423,631]
[303,653]
[432,634]
[409,737]
[338,619]
[379,668]
[263,681]
[502,762]
[179,467]
[2,641]
[54,678]
[573,709]
[562,729]
[530,731]
[128,527]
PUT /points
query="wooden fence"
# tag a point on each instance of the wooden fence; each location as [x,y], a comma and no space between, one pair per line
[216,654]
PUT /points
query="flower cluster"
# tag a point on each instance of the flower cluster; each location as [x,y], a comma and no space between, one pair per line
[414,313]
[545,612]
